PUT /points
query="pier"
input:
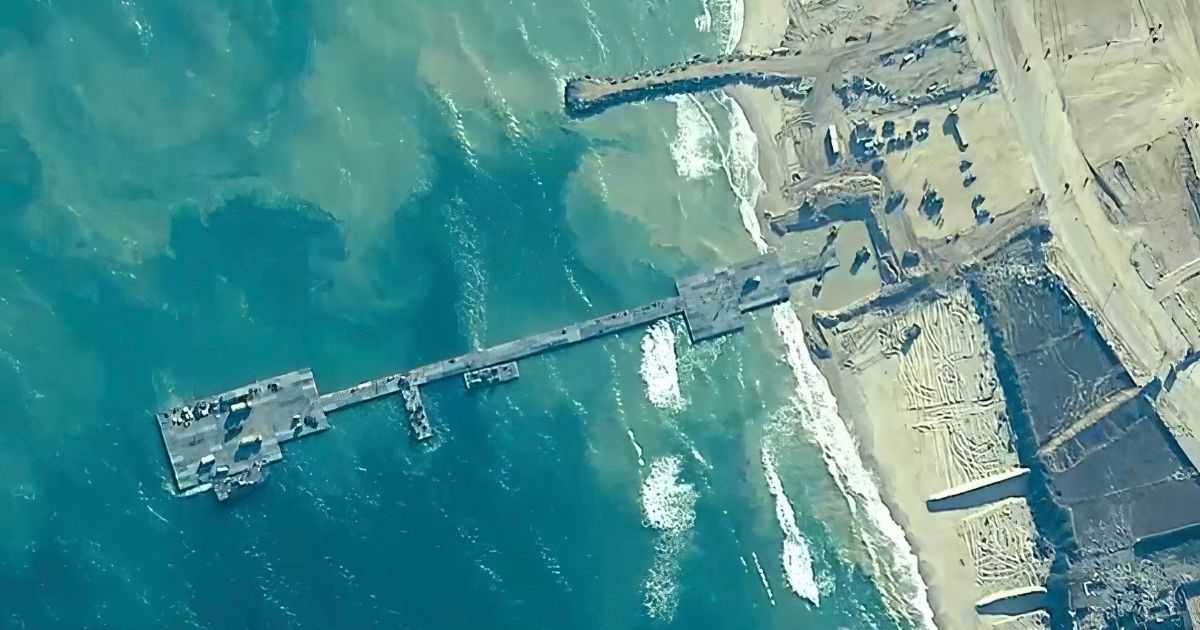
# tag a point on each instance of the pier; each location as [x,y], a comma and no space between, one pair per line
[223,442]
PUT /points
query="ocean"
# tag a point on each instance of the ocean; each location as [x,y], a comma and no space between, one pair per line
[199,193]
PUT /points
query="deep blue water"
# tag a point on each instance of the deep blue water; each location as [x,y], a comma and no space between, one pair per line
[196,194]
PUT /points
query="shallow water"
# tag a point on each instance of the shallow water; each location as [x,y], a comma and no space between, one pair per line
[198,194]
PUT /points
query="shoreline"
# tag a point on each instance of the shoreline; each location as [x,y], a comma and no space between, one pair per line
[762,28]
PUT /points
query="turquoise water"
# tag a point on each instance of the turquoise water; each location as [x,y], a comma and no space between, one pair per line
[196,194]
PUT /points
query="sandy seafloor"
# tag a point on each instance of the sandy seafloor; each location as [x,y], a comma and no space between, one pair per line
[196,194]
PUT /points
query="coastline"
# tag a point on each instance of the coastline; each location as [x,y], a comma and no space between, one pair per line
[762,29]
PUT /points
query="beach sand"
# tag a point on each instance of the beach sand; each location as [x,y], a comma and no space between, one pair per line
[912,456]
[929,420]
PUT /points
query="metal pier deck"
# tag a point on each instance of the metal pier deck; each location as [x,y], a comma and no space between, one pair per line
[223,442]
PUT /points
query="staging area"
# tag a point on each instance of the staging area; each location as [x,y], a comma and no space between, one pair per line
[223,441]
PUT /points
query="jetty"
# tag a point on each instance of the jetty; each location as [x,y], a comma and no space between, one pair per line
[223,442]
[589,95]
[586,96]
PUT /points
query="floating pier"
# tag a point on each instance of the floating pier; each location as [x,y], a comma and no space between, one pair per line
[224,442]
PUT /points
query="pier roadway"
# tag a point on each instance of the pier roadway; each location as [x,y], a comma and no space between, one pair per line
[223,442]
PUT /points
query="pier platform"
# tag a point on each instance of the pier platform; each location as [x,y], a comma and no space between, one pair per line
[224,442]
[226,439]
[491,376]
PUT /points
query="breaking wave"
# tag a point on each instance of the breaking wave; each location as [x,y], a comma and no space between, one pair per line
[704,21]
[669,508]
[895,564]
[726,15]
[660,368]
[637,448]
[740,164]
[891,556]
[470,271]
[692,148]
[796,557]
[734,16]
[668,505]
[460,130]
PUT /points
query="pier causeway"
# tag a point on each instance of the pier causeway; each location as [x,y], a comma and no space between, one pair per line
[223,443]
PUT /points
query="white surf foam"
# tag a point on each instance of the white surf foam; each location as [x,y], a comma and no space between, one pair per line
[468,266]
[668,507]
[460,130]
[736,12]
[136,17]
[692,148]
[796,557]
[740,163]
[762,577]
[895,564]
[660,368]
[704,21]
[636,447]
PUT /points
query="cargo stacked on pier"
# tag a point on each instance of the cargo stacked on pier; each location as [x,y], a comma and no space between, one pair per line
[222,442]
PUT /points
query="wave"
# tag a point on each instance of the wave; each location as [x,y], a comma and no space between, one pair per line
[546,58]
[569,272]
[496,102]
[762,576]
[460,130]
[740,164]
[668,507]
[136,16]
[660,368]
[895,564]
[704,21]
[469,268]
[692,148]
[592,20]
[736,12]
[796,558]
[892,557]
[637,448]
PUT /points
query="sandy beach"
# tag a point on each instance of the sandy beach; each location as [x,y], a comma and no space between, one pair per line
[913,447]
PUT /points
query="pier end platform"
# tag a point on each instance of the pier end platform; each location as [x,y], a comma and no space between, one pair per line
[223,441]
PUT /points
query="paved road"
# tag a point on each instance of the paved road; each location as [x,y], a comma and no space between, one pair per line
[1087,251]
